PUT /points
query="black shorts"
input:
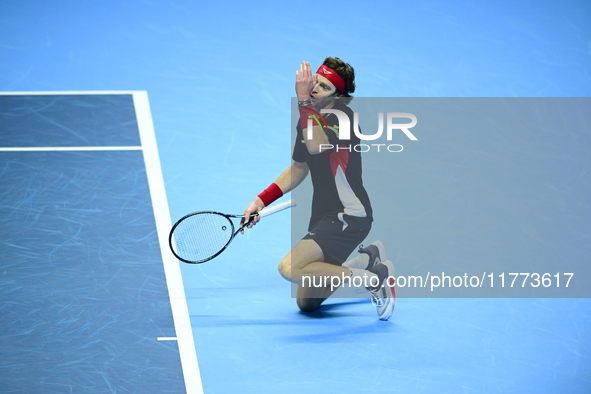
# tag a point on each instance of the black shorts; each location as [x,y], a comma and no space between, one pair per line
[336,240]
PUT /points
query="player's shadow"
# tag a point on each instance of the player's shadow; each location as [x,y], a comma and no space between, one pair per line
[332,310]
[337,331]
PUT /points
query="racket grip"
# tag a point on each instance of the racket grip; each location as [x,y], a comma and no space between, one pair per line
[278,207]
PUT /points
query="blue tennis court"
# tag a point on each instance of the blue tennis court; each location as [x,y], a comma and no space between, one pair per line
[118,119]
[85,298]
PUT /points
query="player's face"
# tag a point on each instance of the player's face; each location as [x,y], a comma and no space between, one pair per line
[323,91]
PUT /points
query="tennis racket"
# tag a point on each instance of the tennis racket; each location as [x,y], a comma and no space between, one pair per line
[201,236]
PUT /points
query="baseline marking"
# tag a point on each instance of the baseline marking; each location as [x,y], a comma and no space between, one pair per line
[68,148]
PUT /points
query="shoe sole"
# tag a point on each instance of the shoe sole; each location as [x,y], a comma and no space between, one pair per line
[391,304]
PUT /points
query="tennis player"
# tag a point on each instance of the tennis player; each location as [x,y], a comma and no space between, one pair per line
[341,210]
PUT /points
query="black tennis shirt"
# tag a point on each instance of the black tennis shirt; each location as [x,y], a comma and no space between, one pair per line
[336,173]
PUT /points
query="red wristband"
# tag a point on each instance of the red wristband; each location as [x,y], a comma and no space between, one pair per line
[271,194]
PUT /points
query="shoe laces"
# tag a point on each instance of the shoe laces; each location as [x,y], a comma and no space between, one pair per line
[376,299]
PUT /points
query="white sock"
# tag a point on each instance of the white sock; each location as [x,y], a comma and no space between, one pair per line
[360,262]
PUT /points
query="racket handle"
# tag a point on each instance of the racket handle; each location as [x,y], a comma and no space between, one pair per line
[276,208]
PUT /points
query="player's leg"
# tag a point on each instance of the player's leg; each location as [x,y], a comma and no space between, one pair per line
[310,298]
[306,260]
[317,279]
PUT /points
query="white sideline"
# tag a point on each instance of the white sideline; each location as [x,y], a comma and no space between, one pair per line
[172,269]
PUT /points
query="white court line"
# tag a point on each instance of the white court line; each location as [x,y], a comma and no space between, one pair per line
[64,93]
[172,269]
[67,148]
[167,338]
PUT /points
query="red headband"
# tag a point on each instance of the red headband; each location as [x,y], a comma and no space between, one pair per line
[333,77]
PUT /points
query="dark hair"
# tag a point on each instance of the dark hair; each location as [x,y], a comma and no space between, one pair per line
[345,71]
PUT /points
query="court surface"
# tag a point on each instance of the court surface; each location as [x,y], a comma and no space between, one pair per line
[115,121]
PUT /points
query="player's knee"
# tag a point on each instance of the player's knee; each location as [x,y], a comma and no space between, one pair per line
[309,304]
[285,268]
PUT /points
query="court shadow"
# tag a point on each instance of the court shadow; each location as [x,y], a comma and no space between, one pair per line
[332,310]
[342,334]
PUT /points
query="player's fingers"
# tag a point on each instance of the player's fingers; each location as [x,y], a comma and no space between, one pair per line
[245,219]
[254,219]
[242,224]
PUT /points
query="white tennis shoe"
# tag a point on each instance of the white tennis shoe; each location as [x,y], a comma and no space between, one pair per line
[383,296]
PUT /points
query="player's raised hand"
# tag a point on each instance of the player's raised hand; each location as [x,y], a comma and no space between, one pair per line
[304,81]
[254,207]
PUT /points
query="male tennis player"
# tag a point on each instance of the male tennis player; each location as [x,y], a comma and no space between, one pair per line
[341,210]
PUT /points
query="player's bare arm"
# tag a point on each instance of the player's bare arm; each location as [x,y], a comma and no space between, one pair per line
[309,88]
[305,86]
[287,181]
[315,139]
[320,93]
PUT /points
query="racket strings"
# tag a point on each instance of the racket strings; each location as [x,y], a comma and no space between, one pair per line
[201,236]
